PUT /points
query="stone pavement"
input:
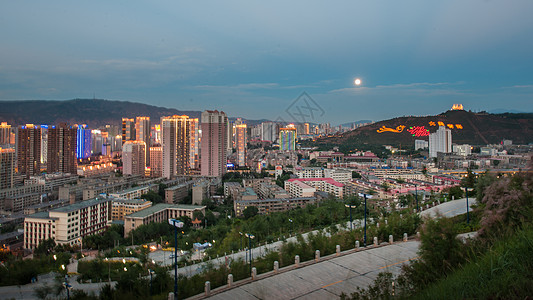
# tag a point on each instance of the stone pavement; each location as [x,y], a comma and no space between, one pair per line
[327,278]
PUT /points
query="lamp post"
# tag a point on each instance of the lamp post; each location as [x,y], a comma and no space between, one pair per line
[290,220]
[108,270]
[246,253]
[467,189]
[151,272]
[177,224]
[365,195]
[416,197]
[67,287]
[351,220]
[250,238]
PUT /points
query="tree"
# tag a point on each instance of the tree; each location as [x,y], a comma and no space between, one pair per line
[250,212]
[153,197]
[45,247]
[356,174]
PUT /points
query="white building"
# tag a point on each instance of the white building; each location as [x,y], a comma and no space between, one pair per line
[440,141]
[463,150]
[421,144]
[67,225]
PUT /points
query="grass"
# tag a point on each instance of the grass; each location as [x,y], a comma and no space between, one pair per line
[505,271]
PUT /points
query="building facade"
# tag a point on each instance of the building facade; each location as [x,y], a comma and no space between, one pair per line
[287,138]
[143,133]
[175,145]
[440,141]
[214,143]
[62,143]
[128,130]
[7,168]
[67,225]
[133,157]
[240,144]
[29,150]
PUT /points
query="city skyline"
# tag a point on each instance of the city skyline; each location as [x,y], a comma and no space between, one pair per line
[255,60]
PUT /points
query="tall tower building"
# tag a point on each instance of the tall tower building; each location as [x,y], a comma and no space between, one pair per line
[194,143]
[229,138]
[306,128]
[240,144]
[143,131]
[133,158]
[5,134]
[175,145]
[44,144]
[83,144]
[287,138]
[214,143]
[128,130]
[156,161]
[29,150]
[7,168]
[440,141]
[62,142]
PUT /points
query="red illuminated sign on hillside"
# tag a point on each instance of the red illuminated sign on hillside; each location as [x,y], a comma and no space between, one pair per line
[418,131]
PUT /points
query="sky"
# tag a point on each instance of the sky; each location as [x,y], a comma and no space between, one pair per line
[278,60]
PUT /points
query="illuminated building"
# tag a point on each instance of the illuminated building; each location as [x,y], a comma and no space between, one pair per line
[240,144]
[287,138]
[306,128]
[214,143]
[124,207]
[133,158]
[175,145]
[7,168]
[83,147]
[156,161]
[457,107]
[5,134]
[142,133]
[44,144]
[96,169]
[128,130]
[62,149]
[67,225]
[440,141]
[194,143]
[29,150]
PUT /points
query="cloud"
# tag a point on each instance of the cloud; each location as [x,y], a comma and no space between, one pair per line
[433,88]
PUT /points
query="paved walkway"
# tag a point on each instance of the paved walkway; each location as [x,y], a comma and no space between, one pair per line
[329,278]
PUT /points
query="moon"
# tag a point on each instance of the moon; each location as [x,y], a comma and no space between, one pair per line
[357,81]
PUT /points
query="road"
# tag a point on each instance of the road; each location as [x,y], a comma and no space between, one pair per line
[329,278]
[450,209]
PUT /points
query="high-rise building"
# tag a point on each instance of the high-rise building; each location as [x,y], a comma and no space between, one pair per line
[175,144]
[269,131]
[128,130]
[287,138]
[240,144]
[214,143]
[7,168]
[83,147]
[440,141]
[62,142]
[44,144]
[156,161]
[29,150]
[229,138]
[5,134]
[133,158]
[143,132]
[306,128]
[194,143]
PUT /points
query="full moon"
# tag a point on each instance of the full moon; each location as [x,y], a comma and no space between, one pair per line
[357,81]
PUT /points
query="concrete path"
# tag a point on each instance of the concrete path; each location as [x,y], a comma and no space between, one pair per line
[449,209]
[329,278]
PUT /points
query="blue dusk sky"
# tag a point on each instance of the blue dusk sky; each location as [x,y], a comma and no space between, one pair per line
[255,58]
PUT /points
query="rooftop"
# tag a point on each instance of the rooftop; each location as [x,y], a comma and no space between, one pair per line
[328,180]
[79,205]
[162,206]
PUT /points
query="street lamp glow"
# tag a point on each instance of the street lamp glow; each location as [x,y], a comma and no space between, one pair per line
[357,81]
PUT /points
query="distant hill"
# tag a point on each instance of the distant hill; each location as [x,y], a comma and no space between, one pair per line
[93,112]
[474,129]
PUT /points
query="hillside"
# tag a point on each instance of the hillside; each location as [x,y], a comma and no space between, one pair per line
[474,129]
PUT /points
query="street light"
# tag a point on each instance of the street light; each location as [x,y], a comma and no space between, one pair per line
[364,195]
[467,189]
[416,196]
[290,220]
[151,272]
[245,255]
[177,224]
[67,286]
[108,269]
[351,221]
[250,238]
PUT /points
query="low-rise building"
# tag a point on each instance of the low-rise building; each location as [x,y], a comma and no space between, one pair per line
[327,185]
[159,213]
[299,189]
[267,206]
[67,225]
[124,207]
[132,193]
